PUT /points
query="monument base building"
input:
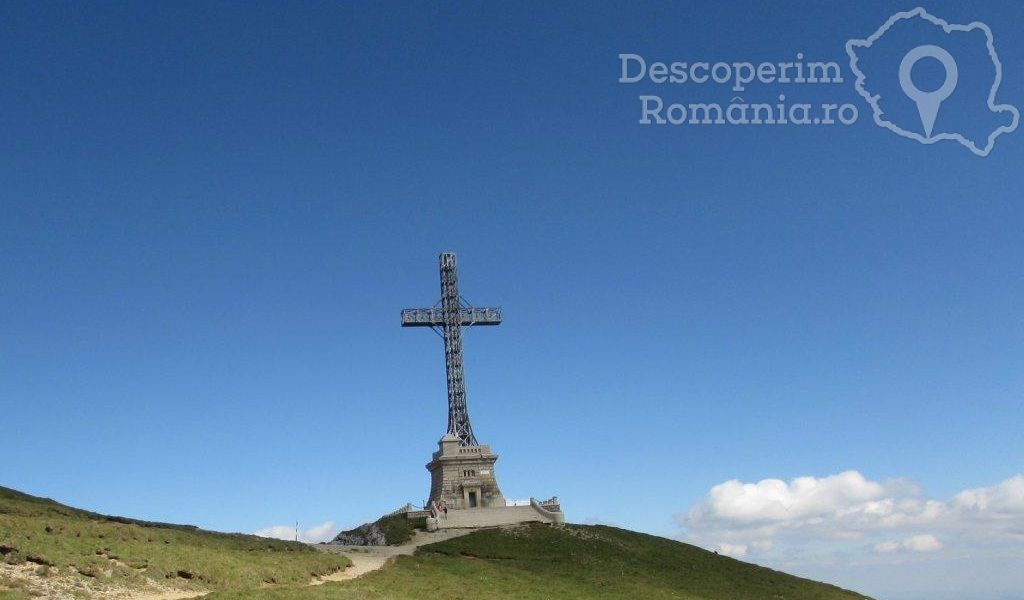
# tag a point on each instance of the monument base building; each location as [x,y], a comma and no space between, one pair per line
[463,481]
[463,476]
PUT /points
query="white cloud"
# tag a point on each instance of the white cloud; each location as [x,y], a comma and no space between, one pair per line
[739,550]
[315,534]
[736,550]
[887,547]
[924,542]
[774,500]
[1003,499]
[847,517]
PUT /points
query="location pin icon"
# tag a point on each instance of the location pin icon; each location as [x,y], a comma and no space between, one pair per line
[928,103]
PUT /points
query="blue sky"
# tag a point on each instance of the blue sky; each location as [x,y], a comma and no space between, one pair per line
[213,213]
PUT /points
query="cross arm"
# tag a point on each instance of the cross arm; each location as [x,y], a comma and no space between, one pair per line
[434,317]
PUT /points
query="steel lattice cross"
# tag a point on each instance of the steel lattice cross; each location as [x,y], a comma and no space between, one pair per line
[447,318]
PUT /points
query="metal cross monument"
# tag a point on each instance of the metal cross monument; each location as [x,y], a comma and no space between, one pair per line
[447,318]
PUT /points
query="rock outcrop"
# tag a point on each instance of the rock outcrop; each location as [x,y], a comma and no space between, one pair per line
[369,534]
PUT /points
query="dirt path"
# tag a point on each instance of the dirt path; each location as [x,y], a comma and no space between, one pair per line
[366,559]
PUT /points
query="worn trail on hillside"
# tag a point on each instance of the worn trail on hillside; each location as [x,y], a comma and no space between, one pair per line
[366,559]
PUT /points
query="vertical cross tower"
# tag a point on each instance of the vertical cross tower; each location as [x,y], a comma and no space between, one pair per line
[462,470]
[447,318]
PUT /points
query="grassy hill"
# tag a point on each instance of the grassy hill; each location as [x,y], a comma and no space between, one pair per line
[89,555]
[58,550]
[565,563]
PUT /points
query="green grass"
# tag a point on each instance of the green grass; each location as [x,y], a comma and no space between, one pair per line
[399,529]
[568,563]
[124,552]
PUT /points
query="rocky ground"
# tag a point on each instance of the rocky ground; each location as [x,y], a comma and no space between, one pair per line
[370,534]
[33,581]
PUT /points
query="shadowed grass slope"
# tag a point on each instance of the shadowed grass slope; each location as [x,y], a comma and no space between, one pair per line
[565,563]
[399,529]
[125,552]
